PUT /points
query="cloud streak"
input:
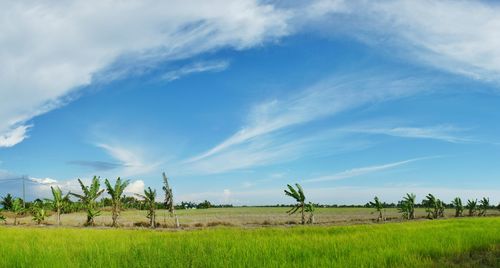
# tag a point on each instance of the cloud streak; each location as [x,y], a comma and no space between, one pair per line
[261,139]
[445,133]
[356,172]
[197,67]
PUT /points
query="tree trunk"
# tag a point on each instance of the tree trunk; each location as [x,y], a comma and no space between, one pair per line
[177,225]
[303,215]
[59,216]
[115,215]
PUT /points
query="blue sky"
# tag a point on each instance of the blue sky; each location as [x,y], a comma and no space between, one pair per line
[233,100]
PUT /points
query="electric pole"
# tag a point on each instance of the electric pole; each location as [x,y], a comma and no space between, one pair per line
[24,191]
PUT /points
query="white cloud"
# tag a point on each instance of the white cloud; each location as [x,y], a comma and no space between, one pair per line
[44,181]
[446,133]
[355,172]
[14,135]
[260,140]
[135,187]
[197,67]
[457,36]
[131,159]
[50,49]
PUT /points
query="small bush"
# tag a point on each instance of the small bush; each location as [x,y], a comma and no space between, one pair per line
[219,223]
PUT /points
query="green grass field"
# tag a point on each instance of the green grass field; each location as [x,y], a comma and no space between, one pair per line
[464,242]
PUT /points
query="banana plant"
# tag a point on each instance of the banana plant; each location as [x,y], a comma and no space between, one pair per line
[89,197]
[459,207]
[17,208]
[484,204]
[39,213]
[149,199]
[471,206]
[299,196]
[169,200]
[434,207]
[116,193]
[58,202]
[310,209]
[407,206]
[379,207]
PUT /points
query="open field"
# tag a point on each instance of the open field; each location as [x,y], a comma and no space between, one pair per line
[472,242]
[238,216]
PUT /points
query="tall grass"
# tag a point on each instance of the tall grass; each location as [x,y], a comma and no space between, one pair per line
[410,244]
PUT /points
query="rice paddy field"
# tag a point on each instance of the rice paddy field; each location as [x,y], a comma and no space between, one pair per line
[463,242]
[237,216]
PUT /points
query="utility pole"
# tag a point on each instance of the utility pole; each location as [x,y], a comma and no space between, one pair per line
[24,191]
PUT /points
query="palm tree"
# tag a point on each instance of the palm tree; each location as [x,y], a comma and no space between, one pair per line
[58,202]
[169,199]
[472,207]
[149,198]
[89,197]
[299,196]
[407,206]
[116,196]
[484,204]
[459,208]
[38,212]
[7,202]
[379,207]
[17,208]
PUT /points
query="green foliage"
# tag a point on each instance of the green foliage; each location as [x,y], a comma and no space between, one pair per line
[149,198]
[409,244]
[434,207]
[58,202]
[471,207]
[2,217]
[169,199]
[300,198]
[89,197]
[7,201]
[407,206]
[38,212]
[484,205]
[169,196]
[379,206]
[204,205]
[116,193]
[459,207]
[17,208]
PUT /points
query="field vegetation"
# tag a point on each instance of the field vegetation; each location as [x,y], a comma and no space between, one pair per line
[472,242]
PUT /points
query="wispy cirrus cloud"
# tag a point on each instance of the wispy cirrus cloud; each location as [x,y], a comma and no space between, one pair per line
[322,100]
[456,36]
[197,67]
[261,140]
[355,172]
[447,133]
